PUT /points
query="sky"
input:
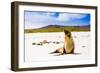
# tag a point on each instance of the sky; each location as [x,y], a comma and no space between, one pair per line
[38,19]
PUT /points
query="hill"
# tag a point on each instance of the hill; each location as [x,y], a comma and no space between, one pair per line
[58,28]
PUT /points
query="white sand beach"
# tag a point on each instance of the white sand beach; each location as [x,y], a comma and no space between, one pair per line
[35,53]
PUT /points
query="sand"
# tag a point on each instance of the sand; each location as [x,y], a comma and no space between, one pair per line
[35,53]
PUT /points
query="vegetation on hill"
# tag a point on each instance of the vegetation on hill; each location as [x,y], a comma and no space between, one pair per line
[58,28]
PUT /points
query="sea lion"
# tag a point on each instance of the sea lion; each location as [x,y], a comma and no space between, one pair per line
[68,42]
[68,47]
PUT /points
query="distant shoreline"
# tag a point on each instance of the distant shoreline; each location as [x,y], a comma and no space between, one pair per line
[42,31]
[54,31]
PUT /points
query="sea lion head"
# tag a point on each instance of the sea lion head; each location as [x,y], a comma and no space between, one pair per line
[68,33]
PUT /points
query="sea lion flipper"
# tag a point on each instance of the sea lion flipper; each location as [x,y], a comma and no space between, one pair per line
[54,52]
[59,50]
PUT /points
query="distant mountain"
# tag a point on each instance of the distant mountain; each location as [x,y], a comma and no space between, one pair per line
[58,28]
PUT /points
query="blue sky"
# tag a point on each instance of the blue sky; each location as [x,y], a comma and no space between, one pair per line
[37,19]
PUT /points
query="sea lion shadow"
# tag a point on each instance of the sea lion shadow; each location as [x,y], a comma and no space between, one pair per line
[60,54]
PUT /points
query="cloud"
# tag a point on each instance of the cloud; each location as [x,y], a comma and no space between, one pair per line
[39,19]
[63,17]
[77,16]
[69,16]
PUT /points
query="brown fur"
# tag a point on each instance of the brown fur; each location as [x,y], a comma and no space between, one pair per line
[68,42]
[68,47]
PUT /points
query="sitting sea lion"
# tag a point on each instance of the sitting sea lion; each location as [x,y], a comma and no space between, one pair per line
[68,47]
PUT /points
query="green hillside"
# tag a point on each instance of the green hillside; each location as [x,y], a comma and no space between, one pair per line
[57,28]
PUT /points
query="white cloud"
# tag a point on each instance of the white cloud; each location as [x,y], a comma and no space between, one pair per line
[78,16]
[64,17]
[68,17]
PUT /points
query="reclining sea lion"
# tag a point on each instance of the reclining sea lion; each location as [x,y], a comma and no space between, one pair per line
[68,47]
